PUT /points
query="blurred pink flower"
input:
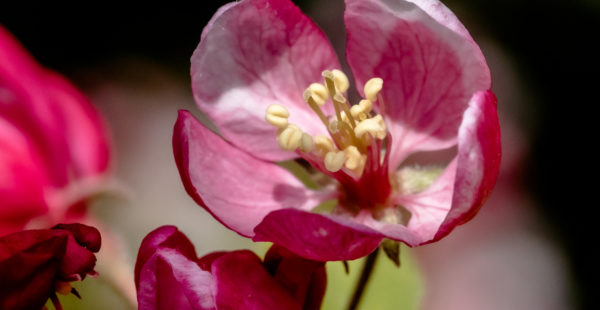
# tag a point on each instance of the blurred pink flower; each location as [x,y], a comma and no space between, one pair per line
[169,275]
[426,85]
[35,264]
[54,149]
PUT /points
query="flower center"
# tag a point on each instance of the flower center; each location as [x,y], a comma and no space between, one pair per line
[355,152]
[351,130]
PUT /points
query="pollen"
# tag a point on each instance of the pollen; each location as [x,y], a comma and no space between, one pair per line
[351,129]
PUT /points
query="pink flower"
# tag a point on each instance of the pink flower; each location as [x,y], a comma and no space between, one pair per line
[426,89]
[35,264]
[53,144]
[169,275]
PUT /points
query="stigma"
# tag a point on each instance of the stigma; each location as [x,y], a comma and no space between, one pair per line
[351,129]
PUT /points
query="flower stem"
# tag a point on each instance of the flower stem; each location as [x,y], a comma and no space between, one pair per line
[364,278]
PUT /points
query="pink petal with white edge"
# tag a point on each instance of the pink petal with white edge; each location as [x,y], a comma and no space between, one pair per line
[254,53]
[243,283]
[237,189]
[429,64]
[317,237]
[457,195]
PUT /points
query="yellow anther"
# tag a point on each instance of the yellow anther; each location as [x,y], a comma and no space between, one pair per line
[374,126]
[334,160]
[366,105]
[372,88]
[306,142]
[319,93]
[352,157]
[323,145]
[277,115]
[290,138]
[340,80]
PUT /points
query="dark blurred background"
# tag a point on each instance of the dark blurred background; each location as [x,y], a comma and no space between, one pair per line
[553,45]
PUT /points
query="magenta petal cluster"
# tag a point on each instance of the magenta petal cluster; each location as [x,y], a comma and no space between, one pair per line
[169,275]
[435,99]
[54,149]
[36,263]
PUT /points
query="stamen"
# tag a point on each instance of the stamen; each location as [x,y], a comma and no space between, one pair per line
[341,81]
[319,93]
[290,138]
[334,161]
[277,115]
[355,161]
[306,142]
[374,126]
[342,101]
[323,145]
[372,88]
[366,105]
[329,81]
[310,99]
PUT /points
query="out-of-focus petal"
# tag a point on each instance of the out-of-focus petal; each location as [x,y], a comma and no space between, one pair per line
[61,124]
[238,189]
[79,260]
[317,237]
[429,64]
[32,262]
[243,283]
[456,196]
[254,53]
[28,276]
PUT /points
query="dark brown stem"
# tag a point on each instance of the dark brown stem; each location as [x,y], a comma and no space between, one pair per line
[363,280]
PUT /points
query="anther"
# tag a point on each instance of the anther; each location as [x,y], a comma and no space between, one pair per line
[306,142]
[323,145]
[372,88]
[290,138]
[277,115]
[366,106]
[353,157]
[334,161]
[341,80]
[374,126]
[319,93]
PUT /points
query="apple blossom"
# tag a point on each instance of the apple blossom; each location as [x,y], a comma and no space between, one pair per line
[269,80]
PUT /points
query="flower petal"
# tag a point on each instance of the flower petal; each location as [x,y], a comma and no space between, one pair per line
[317,237]
[254,53]
[167,275]
[479,155]
[237,189]
[429,63]
[456,196]
[304,279]
[61,124]
[257,290]
[170,280]
[163,237]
